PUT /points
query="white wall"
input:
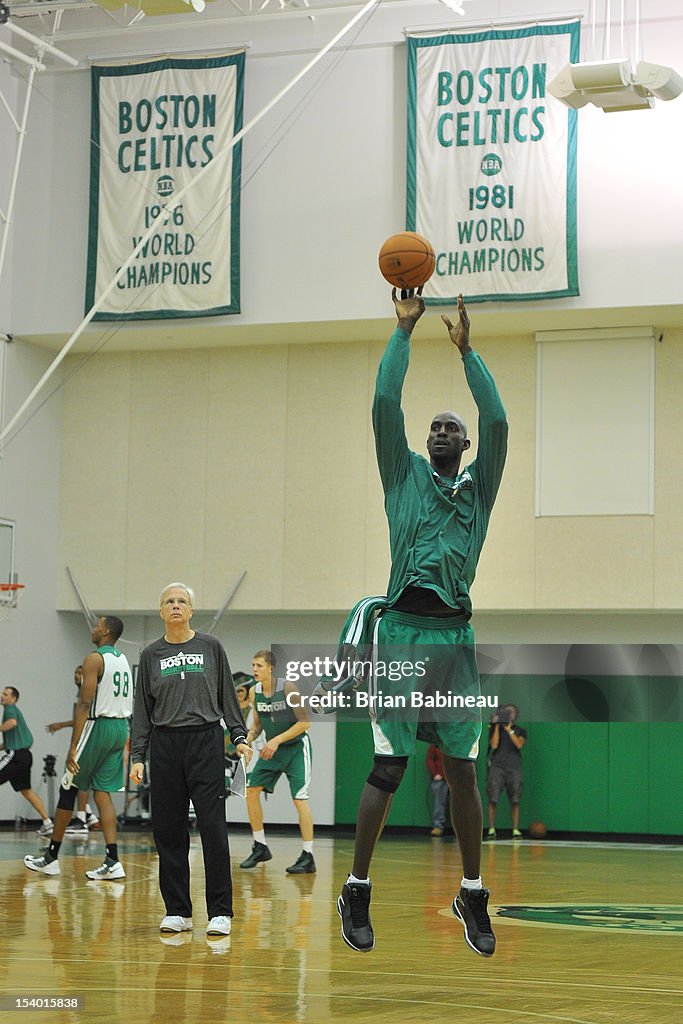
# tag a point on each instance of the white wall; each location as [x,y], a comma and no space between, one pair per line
[38,647]
[312,216]
[315,212]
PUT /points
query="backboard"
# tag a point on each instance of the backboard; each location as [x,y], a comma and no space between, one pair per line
[6,551]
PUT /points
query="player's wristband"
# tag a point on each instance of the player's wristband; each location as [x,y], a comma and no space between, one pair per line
[240,739]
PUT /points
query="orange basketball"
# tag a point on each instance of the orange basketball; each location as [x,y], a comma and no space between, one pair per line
[537,830]
[407,260]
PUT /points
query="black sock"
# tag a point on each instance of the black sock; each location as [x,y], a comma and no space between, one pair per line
[112,851]
[53,849]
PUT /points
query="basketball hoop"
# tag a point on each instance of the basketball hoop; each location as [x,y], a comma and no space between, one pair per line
[9,595]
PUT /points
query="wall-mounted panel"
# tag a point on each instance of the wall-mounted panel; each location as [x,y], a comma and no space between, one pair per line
[595,422]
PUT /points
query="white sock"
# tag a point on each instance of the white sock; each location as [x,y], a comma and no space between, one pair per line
[308,847]
[471,883]
[359,881]
[47,821]
[88,809]
[81,816]
[260,837]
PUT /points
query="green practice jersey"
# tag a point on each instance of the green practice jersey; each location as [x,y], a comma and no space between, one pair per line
[437,526]
[274,712]
[20,737]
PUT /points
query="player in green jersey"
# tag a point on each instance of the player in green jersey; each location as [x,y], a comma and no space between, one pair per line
[286,751]
[15,755]
[438,516]
[84,820]
[96,752]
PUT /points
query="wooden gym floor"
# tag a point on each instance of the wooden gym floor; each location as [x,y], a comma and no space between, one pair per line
[608,946]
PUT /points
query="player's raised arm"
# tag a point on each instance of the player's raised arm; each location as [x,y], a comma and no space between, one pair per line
[391,444]
[459,332]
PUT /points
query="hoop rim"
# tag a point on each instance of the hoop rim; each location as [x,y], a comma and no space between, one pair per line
[11,586]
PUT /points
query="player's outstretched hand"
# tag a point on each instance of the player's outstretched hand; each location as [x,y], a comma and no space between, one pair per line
[409,307]
[459,333]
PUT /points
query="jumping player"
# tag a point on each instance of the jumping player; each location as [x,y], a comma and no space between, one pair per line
[438,517]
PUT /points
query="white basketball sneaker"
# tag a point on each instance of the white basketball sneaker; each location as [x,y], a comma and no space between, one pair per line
[48,867]
[109,870]
[219,926]
[173,923]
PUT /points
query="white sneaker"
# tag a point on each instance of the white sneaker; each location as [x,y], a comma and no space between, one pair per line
[108,871]
[48,867]
[172,923]
[219,926]
[45,829]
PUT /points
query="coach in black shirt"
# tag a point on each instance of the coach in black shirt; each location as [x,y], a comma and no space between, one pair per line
[184,689]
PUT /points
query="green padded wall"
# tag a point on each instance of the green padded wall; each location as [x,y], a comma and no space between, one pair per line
[619,777]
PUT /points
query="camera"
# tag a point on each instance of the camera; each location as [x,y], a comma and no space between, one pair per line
[504,716]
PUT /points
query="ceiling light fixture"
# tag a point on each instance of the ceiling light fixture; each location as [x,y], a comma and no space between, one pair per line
[611,84]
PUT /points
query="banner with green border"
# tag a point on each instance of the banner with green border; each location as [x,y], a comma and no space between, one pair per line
[492,162]
[154,126]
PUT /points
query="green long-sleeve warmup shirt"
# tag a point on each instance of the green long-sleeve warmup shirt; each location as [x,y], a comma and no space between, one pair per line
[437,526]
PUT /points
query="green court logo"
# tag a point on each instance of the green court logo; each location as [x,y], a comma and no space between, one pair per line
[663,919]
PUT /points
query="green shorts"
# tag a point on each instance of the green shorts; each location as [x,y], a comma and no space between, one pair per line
[100,755]
[438,680]
[293,760]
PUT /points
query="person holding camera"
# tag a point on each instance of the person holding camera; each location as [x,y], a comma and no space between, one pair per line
[506,740]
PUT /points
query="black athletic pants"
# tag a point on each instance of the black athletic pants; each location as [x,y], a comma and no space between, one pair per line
[188,764]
